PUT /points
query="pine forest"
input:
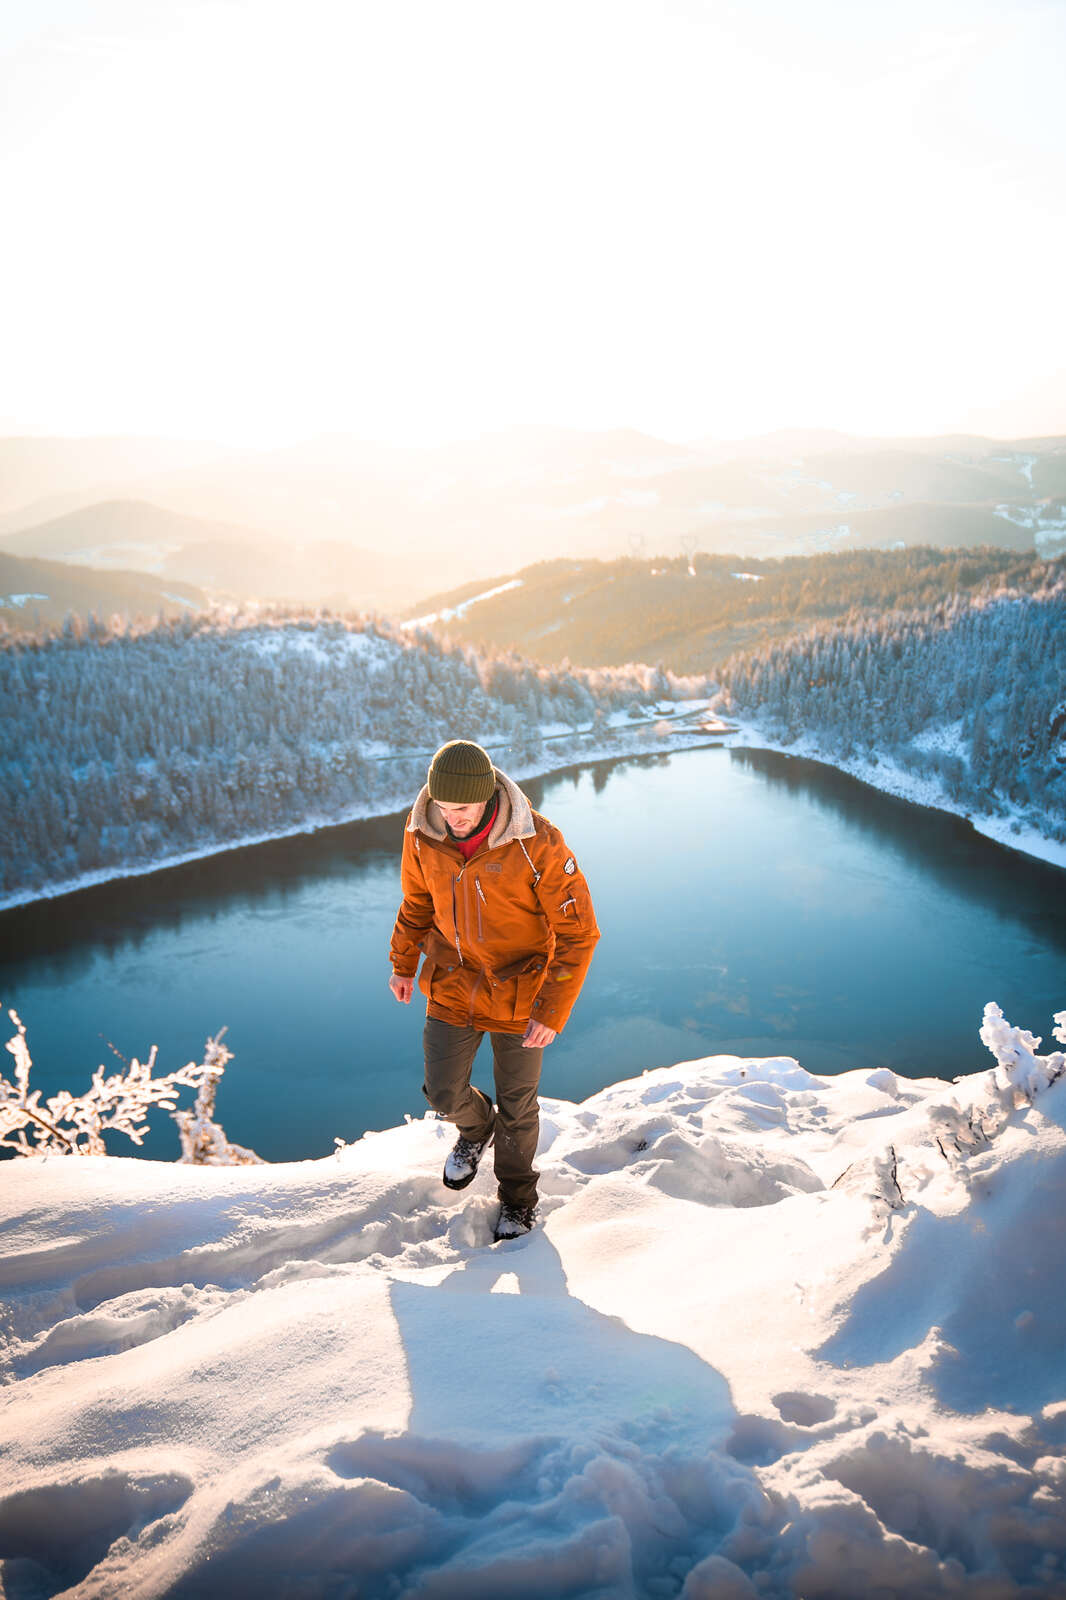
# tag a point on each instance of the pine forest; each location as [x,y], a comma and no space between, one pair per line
[125,746]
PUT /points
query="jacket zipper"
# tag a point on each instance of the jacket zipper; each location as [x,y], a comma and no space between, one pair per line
[480,902]
[455,920]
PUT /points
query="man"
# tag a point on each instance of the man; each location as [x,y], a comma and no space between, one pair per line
[495,901]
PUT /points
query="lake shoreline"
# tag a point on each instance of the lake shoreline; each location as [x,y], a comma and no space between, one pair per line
[886,776]
[881,774]
[623,742]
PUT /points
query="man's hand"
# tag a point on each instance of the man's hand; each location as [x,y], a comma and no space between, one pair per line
[402,988]
[537,1035]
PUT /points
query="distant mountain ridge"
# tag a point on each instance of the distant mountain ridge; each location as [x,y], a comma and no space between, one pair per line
[33,470]
[226,561]
[425,518]
[103,533]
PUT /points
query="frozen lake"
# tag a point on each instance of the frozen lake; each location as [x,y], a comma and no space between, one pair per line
[749,904]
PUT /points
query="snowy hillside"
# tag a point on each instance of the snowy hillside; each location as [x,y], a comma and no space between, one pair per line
[962,707]
[188,738]
[691,613]
[778,1335]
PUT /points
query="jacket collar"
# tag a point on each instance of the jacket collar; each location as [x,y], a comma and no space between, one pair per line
[514,817]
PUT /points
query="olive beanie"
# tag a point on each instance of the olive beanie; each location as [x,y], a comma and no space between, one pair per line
[461,774]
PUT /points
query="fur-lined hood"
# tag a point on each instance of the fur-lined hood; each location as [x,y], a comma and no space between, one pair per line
[514,818]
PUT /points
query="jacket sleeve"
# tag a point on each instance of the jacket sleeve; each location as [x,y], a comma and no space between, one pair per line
[415,916]
[565,900]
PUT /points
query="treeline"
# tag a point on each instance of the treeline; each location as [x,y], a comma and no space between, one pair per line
[971,693]
[692,616]
[124,747]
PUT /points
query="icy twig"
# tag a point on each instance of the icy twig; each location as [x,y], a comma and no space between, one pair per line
[75,1125]
[203,1141]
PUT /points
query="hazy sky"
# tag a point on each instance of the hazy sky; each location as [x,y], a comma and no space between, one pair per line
[416,219]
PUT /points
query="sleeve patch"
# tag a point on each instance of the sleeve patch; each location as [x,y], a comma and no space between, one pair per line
[569,865]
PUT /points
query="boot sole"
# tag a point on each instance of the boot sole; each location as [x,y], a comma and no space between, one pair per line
[461,1183]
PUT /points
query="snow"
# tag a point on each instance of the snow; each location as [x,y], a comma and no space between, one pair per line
[1024,464]
[1048,530]
[461,610]
[776,1335]
[943,737]
[1050,534]
[748,577]
[20,599]
[1020,516]
[324,647]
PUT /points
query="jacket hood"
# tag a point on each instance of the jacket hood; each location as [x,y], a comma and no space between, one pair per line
[514,817]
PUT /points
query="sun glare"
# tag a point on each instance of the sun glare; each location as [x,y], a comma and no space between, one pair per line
[416,221]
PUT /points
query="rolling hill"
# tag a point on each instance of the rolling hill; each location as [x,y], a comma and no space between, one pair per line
[227,560]
[691,617]
[41,594]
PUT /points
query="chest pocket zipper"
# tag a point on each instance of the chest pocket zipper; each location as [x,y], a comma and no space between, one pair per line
[481,901]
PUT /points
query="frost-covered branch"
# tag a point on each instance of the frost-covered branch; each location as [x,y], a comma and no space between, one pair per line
[962,1125]
[65,1124]
[1019,1070]
[203,1141]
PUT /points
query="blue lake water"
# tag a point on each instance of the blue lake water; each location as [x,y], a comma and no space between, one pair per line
[749,904]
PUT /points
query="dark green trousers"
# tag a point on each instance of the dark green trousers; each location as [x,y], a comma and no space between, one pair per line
[450,1053]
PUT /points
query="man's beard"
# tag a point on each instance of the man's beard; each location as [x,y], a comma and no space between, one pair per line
[487,810]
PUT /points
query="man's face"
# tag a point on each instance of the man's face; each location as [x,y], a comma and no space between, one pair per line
[462,820]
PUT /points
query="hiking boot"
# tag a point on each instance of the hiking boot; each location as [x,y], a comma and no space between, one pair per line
[462,1163]
[514,1221]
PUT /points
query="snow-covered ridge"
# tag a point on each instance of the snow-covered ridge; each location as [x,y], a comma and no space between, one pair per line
[461,609]
[777,1335]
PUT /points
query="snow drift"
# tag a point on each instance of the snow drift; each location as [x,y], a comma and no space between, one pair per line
[778,1335]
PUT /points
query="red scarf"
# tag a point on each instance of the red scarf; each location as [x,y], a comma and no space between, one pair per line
[476,840]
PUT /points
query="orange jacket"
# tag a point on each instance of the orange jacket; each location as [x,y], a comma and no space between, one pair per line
[507,936]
